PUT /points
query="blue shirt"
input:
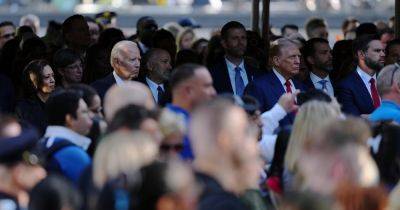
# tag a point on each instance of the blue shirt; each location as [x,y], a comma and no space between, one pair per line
[187,153]
[388,110]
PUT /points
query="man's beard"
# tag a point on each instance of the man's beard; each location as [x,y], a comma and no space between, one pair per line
[375,65]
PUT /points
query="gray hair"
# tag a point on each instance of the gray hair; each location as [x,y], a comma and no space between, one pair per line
[118,48]
[387,76]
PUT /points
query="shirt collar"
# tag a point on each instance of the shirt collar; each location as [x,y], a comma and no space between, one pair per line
[315,79]
[68,134]
[118,79]
[280,77]
[153,85]
[231,66]
[364,76]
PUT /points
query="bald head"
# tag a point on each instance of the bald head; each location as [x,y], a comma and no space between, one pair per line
[130,92]
[125,59]
[387,77]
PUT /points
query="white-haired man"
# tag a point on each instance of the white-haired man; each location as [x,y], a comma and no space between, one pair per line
[125,60]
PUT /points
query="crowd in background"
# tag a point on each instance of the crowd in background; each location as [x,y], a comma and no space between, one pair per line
[92,118]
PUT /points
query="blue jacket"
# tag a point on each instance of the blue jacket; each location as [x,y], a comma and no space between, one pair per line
[354,97]
[388,111]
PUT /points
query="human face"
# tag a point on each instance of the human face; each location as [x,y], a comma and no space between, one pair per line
[374,57]
[73,72]
[288,62]
[95,107]
[201,87]
[322,57]
[129,63]
[187,40]
[171,145]
[94,32]
[289,31]
[393,55]
[48,82]
[321,32]
[236,42]
[6,33]
[160,67]
[82,122]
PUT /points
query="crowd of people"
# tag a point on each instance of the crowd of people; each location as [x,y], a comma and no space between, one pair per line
[92,118]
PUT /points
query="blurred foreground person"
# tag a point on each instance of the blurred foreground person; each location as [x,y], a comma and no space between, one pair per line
[19,164]
[173,129]
[227,161]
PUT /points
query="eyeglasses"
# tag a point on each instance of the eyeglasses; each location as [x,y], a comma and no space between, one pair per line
[169,147]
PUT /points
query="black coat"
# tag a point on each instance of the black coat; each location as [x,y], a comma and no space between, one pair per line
[32,111]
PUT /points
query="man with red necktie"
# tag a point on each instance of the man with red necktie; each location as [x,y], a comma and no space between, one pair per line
[285,59]
[357,92]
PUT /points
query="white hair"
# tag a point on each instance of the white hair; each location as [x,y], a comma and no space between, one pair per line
[118,48]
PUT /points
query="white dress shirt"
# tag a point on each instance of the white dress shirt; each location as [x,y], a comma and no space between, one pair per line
[315,80]
[118,80]
[283,81]
[153,88]
[231,71]
[68,134]
[366,78]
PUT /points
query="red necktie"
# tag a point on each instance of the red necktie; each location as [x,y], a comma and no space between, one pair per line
[288,88]
[374,93]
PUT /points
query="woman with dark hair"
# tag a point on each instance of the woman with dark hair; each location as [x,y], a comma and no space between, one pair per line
[39,83]
[68,66]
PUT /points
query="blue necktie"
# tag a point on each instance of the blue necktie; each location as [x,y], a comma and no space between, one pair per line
[323,84]
[239,82]
[159,94]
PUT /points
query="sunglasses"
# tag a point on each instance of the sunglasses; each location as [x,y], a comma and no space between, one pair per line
[169,147]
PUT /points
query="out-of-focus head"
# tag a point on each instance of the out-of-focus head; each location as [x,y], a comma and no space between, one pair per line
[75,31]
[392,52]
[192,83]
[349,28]
[185,38]
[289,29]
[164,39]
[366,29]
[338,153]
[129,93]
[91,98]
[173,129]
[234,39]
[388,81]
[94,30]
[125,59]
[317,28]
[32,21]
[122,153]
[146,26]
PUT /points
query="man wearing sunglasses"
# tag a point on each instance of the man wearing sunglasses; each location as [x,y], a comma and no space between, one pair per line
[389,91]
[19,164]
[7,32]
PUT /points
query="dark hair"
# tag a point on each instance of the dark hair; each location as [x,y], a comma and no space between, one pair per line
[56,193]
[68,23]
[65,57]
[182,73]
[366,29]
[391,44]
[88,92]
[60,103]
[314,23]
[385,31]
[7,23]
[22,30]
[362,43]
[230,25]
[342,59]
[131,117]
[35,67]
[313,94]
[141,21]
[309,48]
[187,56]
[110,36]
[290,26]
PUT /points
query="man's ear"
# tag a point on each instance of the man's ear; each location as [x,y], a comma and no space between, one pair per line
[165,203]
[361,54]
[275,60]
[149,66]
[69,120]
[310,60]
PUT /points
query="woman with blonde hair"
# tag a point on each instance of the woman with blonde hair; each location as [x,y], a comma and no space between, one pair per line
[310,117]
[122,153]
[185,39]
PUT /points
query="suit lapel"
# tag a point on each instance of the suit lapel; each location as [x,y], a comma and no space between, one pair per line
[362,90]
[277,88]
[225,77]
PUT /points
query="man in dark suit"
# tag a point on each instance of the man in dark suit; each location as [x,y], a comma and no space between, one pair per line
[318,58]
[125,60]
[357,92]
[157,66]
[285,58]
[231,74]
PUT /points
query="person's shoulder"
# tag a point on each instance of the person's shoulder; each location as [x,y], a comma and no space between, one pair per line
[220,201]
[348,79]
[103,81]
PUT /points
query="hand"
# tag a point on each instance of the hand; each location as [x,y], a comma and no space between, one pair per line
[288,101]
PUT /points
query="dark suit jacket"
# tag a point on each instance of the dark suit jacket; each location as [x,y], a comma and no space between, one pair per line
[353,95]
[220,75]
[7,95]
[102,85]
[166,98]
[268,89]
